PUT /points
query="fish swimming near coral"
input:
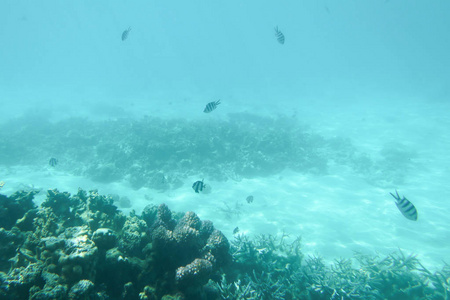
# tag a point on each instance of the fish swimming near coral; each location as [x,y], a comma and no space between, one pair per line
[53,162]
[125,34]
[211,106]
[279,35]
[249,199]
[405,206]
[236,230]
[2,183]
[198,186]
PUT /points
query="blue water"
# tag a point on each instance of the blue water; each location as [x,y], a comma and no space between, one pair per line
[374,72]
[347,51]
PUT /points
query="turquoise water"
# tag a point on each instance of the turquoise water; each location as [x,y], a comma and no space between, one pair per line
[360,88]
[350,52]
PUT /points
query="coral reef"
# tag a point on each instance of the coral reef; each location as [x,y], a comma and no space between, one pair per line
[193,248]
[82,247]
[60,249]
[271,268]
[14,207]
[195,273]
[159,153]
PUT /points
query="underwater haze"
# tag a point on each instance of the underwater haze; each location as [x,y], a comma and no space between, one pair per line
[356,53]
[327,110]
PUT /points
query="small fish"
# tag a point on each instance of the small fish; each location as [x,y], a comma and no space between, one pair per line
[249,199]
[279,35]
[2,183]
[125,34]
[405,207]
[198,186]
[262,251]
[53,162]
[211,106]
[236,230]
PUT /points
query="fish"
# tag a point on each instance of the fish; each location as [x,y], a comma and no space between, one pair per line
[236,230]
[2,183]
[198,186]
[53,162]
[279,35]
[125,34]
[249,199]
[211,106]
[405,206]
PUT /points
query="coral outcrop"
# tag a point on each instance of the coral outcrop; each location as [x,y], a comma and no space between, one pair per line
[195,273]
[82,247]
[14,207]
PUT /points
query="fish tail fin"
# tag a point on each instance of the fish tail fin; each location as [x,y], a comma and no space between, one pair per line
[397,196]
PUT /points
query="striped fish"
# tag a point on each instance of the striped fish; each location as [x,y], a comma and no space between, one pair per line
[125,34]
[211,106]
[279,35]
[198,186]
[405,207]
[53,162]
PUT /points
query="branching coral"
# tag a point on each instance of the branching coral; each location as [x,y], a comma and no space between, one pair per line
[269,268]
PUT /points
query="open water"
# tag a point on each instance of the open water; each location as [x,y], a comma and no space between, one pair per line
[367,80]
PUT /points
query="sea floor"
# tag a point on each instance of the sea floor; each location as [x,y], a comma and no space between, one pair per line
[337,213]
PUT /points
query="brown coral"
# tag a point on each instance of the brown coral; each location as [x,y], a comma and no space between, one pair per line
[194,274]
[164,214]
[190,219]
[217,245]
[162,238]
[186,236]
[206,229]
